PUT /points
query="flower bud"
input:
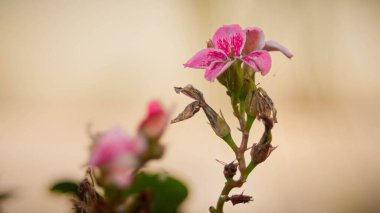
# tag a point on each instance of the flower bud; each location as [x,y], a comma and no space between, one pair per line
[260,152]
[155,122]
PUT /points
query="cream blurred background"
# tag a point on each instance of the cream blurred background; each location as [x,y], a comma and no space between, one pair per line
[64,64]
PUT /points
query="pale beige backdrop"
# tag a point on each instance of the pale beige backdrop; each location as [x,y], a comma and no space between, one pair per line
[64,64]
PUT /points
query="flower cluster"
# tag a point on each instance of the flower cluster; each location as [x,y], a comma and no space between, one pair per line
[118,155]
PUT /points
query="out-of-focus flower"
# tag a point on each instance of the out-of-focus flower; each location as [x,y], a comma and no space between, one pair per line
[231,43]
[115,143]
[117,155]
[155,121]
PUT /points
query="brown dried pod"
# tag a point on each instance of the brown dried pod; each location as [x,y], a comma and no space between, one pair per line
[189,111]
[229,168]
[258,103]
[236,199]
[260,152]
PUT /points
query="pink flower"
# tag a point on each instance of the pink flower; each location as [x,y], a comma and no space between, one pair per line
[155,121]
[117,155]
[231,43]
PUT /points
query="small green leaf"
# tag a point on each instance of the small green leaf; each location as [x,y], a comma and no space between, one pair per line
[65,187]
[168,192]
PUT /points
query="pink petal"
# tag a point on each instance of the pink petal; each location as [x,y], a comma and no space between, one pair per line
[205,57]
[229,37]
[120,172]
[259,61]
[155,122]
[113,144]
[216,69]
[122,178]
[274,46]
[255,40]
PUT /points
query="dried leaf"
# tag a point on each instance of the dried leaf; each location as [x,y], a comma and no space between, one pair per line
[191,92]
[218,124]
[189,111]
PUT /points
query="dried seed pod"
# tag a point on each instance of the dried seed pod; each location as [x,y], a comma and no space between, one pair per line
[260,152]
[236,199]
[189,111]
[258,103]
[229,168]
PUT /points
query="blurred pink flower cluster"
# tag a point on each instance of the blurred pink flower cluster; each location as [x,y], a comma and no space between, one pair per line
[230,44]
[118,155]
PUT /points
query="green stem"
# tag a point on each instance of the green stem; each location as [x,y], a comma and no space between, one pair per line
[222,199]
[249,169]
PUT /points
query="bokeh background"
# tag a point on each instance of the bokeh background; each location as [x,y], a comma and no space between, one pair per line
[64,64]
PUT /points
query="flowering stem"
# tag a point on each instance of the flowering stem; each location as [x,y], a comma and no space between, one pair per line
[246,122]
[245,126]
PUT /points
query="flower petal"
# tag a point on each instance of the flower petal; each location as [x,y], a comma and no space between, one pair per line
[216,69]
[229,37]
[114,143]
[274,46]
[259,61]
[120,171]
[255,39]
[205,57]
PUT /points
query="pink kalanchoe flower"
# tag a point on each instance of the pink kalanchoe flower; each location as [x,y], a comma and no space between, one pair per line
[117,155]
[155,121]
[231,43]
[115,143]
